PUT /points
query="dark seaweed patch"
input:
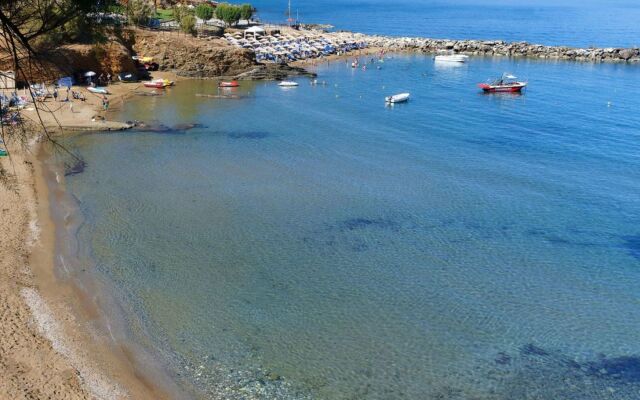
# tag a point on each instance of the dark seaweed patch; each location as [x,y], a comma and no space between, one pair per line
[503,358]
[532,350]
[248,135]
[179,129]
[542,373]
[626,368]
[75,168]
[362,223]
[632,244]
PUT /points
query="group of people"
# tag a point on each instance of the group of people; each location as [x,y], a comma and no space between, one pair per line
[104,80]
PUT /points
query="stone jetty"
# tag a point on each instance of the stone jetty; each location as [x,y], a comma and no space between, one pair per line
[501,48]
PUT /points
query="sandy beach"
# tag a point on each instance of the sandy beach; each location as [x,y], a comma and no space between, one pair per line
[87,115]
[53,341]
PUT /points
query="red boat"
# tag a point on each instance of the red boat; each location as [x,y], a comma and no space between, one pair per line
[228,84]
[506,84]
[159,83]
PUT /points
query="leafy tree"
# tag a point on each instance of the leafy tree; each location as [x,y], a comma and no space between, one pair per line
[246,11]
[188,24]
[204,11]
[228,13]
[139,12]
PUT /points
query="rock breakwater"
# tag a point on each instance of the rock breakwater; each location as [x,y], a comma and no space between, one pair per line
[503,48]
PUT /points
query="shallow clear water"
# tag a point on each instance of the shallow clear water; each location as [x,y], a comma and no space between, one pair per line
[313,242]
[579,23]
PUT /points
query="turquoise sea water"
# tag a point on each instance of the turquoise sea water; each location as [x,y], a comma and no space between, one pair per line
[313,243]
[578,23]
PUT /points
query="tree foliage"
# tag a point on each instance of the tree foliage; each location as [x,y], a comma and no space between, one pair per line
[188,24]
[139,12]
[204,11]
[246,11]
[228,13]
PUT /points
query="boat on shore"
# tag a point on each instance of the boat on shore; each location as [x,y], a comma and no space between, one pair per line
[451,57]
[397,98]
[98,90]
[288,84]
[507,83]
[159,83]
[231,84]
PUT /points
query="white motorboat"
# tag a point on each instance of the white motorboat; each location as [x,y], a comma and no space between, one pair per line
[451,57]
[398,98]
[288,84]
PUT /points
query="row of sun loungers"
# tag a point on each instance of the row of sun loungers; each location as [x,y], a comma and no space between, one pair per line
[287,47]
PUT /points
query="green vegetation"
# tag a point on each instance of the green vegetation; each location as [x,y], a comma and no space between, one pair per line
[231,14]
[204,11]
[180,12]
[188,24]
[139,12]
[246,11]
[164,14]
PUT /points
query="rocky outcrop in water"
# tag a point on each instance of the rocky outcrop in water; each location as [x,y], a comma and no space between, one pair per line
[273,72]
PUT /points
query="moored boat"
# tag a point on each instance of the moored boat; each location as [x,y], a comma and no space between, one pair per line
[159,83]
[507,83]
[398,98]
[231,84]
[288,84]
[451,57]
[98,90]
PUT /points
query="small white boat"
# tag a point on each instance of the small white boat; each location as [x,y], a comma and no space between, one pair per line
[288,84]
[98,90]
[398,98]
[451,57]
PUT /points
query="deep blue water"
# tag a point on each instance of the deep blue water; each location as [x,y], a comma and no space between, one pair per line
[600,23]
[314,243]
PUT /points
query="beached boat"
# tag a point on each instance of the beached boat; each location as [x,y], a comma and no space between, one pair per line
[288,84]
[3,153]
[398,98]
[505,84]
[231,84]
[98,90]
[451,57]
[159,83]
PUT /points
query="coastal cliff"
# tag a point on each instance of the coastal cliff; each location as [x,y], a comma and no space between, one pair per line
[193,57]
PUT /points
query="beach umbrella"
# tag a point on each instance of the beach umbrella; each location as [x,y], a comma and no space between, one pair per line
[89,74]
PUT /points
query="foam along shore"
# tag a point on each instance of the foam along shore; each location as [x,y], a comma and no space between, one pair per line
[291,43]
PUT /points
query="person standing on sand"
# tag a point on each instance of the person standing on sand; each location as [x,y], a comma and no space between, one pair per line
[108,78]
[71,106]
[105,103]
[55,94]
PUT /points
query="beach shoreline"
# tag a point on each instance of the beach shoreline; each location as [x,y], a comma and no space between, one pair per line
[56,334]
